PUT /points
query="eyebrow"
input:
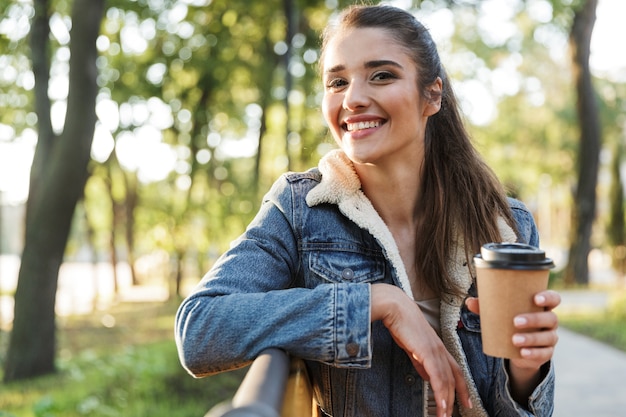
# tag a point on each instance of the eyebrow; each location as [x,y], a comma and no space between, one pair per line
[368,65]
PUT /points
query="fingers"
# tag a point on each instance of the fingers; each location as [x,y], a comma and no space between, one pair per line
[537,346]
[462,390]
[536,356]
[445,378]
[472,305]
[443,386]
[540,320]
[548,299]
[537,336]
[447,382]
[544,321]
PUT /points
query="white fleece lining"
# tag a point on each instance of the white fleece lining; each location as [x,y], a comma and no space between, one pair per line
[340,185]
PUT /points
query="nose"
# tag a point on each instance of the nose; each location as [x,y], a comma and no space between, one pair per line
[355,96]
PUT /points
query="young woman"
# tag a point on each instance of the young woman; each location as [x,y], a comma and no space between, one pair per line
[362,266]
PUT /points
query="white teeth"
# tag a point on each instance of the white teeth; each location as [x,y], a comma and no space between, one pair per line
[362,125]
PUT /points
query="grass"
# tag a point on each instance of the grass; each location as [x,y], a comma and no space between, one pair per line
[123,363]
[606,326]
[118,363]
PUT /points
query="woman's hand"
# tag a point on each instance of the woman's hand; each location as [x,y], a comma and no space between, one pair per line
[536,347]
[411,332]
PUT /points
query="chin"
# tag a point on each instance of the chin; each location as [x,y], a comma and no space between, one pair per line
[357,157]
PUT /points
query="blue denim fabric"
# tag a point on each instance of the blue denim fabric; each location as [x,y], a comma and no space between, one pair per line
[299,279]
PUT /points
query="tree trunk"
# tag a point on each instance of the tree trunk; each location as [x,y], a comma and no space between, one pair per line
[616,235]
[583,212]
[90,238]
[58,184]
[130,203]
[288,9]
[115,222]
[39,46]
[265,83]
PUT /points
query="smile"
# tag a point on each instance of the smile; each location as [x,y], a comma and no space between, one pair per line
[351,127]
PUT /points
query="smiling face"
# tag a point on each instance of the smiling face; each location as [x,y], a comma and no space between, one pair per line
[371,100]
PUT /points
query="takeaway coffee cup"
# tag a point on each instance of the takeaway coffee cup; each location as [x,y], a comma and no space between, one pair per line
[508,276]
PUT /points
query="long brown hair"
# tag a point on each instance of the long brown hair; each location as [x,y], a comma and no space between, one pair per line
[461,197]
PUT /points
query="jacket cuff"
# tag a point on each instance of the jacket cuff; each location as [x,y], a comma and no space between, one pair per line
[540,402]
[352,326]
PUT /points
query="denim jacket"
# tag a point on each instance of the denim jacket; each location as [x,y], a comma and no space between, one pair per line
[299,279]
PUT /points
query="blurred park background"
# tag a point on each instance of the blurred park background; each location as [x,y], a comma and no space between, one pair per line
[138,136]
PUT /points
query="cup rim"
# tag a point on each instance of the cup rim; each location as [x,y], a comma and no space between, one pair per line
[507,255]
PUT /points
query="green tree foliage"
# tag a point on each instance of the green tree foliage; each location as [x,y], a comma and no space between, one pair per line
[16,77]
[202,103]
[217,73]
[544,114]
[533,115]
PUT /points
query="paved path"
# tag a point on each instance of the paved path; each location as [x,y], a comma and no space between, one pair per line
[591,378]
[583,301]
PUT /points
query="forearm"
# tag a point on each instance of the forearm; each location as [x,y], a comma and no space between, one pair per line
[329,323]
[522,383]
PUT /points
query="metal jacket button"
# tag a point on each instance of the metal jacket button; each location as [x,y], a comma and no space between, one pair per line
[409,379]
[347,274]
[352,349]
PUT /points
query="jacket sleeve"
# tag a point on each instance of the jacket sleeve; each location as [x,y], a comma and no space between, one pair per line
[526,228]
[247,302]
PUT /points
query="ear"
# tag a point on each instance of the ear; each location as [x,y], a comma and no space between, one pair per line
[433,97]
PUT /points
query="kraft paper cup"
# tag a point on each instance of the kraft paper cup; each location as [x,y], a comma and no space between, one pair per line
[508,276]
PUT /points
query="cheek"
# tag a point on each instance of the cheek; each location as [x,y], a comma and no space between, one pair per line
[329,110]
[325,108]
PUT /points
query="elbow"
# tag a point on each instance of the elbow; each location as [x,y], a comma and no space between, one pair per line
[192,356]
[203,347]
[187,344]
[198,360]
[191,364]
[195,342]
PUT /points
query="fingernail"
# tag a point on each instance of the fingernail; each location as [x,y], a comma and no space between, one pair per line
[470,404]
[518,339]
[520,321]
[525,352]
[540,299]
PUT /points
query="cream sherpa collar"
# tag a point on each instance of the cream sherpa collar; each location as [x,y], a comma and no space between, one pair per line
[340,185]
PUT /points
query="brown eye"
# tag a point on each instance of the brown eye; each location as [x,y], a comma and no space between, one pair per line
[336,83]
[383,76]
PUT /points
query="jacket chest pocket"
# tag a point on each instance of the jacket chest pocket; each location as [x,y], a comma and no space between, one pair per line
[346,267]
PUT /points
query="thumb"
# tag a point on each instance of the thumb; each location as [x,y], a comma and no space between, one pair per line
[473,305]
